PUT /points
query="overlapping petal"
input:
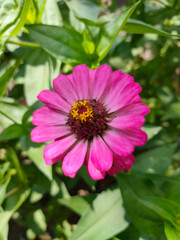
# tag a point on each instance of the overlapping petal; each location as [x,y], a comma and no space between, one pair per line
[53,100]
[47,133]
[74,159]
[46,116]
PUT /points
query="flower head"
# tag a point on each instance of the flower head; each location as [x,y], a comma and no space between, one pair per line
[94,118]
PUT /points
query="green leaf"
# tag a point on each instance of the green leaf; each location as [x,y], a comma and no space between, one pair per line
[110,30]
[172,191]
[103,220]
[12,132]
[76,204]
[151,130]
[4,233]
[37,222]
[133,189]
[12,204]
[12,110]
[35,152]
[8,74]
[171,232]
[12,18]
[36,67]
[156,160]
[140,27]
[172,112]
[61,42]
[85,10]
[165,208]
[51,14]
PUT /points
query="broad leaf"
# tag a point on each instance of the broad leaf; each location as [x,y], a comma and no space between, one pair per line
[75,203]
[85,10]
[12,18]
[36,74]
[8,74]
[51,14]
[12,110]
[144,219]
[35,152]
[103,220]
[172,191]
[61,42]
[156,160]
[151,130]
[139,27]
[110,30]
[12,132]
[171,232]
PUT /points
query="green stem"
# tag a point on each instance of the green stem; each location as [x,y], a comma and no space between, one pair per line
[24,44]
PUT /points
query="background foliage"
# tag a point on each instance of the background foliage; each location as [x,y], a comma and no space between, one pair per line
[39,39]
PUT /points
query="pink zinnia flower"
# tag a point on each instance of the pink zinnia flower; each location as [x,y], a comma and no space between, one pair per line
[94,118]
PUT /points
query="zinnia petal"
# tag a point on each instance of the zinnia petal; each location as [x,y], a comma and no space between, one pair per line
[64,87]
[53,100]
[47,133]
[118,143]
[46,116]
[135,135]
[81,81]
[75,158]
[136,108]
[102,76]
[100,155]
[58,147]
[128,121]
[125,96]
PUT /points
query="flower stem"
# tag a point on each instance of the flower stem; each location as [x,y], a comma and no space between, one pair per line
[24,44]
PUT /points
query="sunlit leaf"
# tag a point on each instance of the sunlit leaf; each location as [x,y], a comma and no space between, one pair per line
[110,31]
[103,220]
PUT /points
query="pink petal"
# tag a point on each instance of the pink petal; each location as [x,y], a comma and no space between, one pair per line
[46,116]
[102,76]
[124,97]
[93,172]
[53,100]
[136,108]
[118,143]
[81,81]
[135,135]
[100,154]
[129,121]
[48,133]
[136,99]
[54,160]
[63,86]
[114,169]
[124,162]
[58,147]
[75,158]
[92,73]
[117,83]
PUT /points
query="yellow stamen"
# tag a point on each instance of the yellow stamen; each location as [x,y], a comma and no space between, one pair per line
[85,107]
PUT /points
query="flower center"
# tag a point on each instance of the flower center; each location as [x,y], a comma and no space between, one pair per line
[82,111]
[88,118]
